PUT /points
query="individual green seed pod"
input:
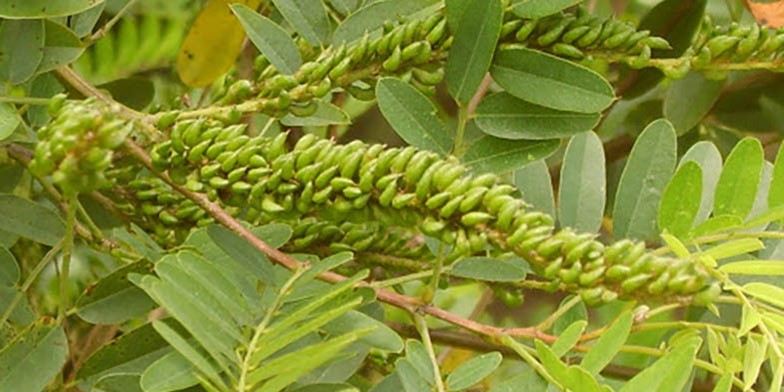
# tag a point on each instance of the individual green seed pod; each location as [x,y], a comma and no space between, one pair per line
[438,200]
[748,44]
[773,44]
[636,40]
[190,136]
[256,174]
[268,204]
[324,177]
[525,30]
[237,142]
[240,187]
[611,27]
[416,166]
[399,162]
[496,191]
[218,182]
[719,45]
[657,43]
[186,212]
[428,78]
[402,200]
[437,32]
[350,164]
[430,226]
[230,162]
[532,242]
[617,273]
[510,27]
[366,177]
[236,174]
[567,50]
[352,192]
[551,271]
[591,36]
[473,198]
[592,297]
[196,154]
[383,182]
[321,89]
[168,218]
[286,188]
[572,274]
[148,194]
[659,284]
[424,185]
[578,252]
[305,142]
[176,136]
[361,201]
[550,247]
[276,147]
[246,154]
[286,167]
[615,252]
[451,206]
[362,93]
[340,68]
[415,50]
[476,218]
[397,37]
[447,175]
[551,35]
[392,63]
[495,205]
[678,283]
[587,279]
[308,156]
[507,214]
[216,149]
[340,183]
[256,160]
[459,186]
[707,295]
[618,39]
[574,33]
[384,161]
[386,196]
[209,171]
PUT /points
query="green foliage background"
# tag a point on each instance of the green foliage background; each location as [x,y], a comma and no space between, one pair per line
[571,195]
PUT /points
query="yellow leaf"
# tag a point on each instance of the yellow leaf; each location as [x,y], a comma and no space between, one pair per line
[213,43]
[770,14]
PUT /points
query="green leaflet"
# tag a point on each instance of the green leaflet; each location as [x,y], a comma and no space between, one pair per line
[583,185]
[737,186]
[708,157]
[274,42]
[549,81]
[680,202]
[534,181]
[504,116]
[538,8]
[21,49]
[308,17]
[648,169]
[43,348]
[493,155]
[326,114]
[9,268]
[31,220]
[9,120]
[670,372]
[373,15]
[607,346]
[488,269]
[472,51]
[473,371]
[776,192]
[114,299]
[412,115]
[13,9]
[688,100]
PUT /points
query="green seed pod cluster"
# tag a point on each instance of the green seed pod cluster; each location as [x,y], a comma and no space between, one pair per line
[418,46]
[735,43]
[576,36]
[76,147]
[407,187]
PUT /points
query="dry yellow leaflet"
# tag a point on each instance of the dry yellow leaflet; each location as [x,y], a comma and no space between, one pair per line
[767,13]
[213,43]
